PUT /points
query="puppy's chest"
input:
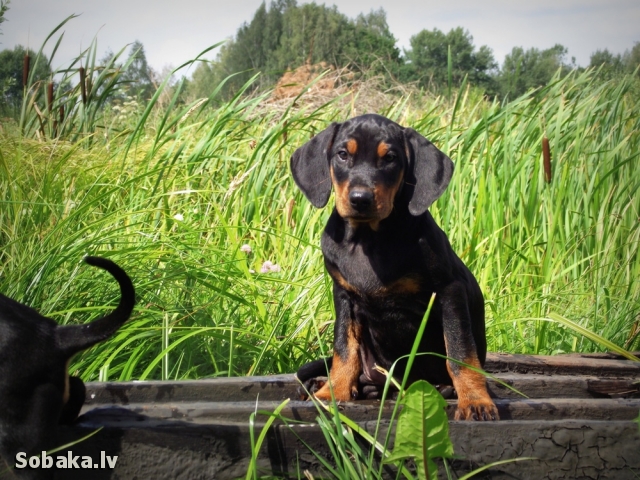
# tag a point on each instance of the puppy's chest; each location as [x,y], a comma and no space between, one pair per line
[374,272]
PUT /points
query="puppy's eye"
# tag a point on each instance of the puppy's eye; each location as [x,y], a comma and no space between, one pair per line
[343,154]
[390,156]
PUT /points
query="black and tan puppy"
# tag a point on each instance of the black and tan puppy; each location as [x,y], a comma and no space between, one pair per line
[36,392]
[386,256]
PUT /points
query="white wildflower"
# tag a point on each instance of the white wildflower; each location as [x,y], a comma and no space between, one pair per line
[266,267]
[270,267]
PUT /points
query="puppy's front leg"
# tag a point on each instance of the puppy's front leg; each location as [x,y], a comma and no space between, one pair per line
[347,365]
[474,402]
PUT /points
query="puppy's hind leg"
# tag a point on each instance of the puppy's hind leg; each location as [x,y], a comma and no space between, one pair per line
[313,376]
[71,409]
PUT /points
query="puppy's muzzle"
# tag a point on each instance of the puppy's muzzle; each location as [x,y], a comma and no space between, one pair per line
[361,200]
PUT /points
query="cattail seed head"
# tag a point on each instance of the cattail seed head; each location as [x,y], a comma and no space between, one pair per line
[546,159]
[50,96]
[83,85]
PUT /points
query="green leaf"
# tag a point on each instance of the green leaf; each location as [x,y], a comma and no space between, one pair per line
[594,337]
[252,471]
[422,432]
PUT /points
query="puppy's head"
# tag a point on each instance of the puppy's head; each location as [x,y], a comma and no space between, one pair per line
[373,164]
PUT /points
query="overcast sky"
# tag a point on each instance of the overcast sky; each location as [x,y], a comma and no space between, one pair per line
[175,31]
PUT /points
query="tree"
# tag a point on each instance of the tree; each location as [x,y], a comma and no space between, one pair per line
[611,65]
[287,35]
[608,63]
[372,46]
[138,75]
[205,79]
[429,58]
[523,70]
[6,82]
[135,78]
[4,6]
[248,53]
[605,57]
[11,71]
[310,33]
[632,59]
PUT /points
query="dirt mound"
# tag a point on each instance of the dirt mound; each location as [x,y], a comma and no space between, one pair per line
[321,83]
[292,83]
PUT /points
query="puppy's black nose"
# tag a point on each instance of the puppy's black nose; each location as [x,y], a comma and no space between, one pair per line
[360,199]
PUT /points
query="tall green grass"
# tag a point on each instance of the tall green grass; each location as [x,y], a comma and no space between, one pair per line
[175,193]
[72,103]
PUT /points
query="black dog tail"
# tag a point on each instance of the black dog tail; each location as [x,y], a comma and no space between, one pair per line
[72,339]
[316,368]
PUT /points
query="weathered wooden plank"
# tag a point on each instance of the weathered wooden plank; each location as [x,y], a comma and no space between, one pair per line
[566,449]
[603,355]
[577,421]
[272,387]
[561,364]
[280,387]
[563,386]
[366,410]
[565,408]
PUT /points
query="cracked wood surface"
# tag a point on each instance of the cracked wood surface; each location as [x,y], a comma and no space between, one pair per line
[578,422]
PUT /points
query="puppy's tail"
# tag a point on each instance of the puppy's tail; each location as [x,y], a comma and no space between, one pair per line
[72,339]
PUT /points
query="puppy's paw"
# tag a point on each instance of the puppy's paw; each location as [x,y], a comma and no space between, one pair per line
[342,392]
[447,391]
[310,387]
[372,390]
[479,409]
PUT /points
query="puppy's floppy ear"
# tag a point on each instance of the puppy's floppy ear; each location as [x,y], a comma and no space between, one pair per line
[429,171]
[310,166]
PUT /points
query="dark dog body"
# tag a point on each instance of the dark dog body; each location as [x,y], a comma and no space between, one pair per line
[36,391]
[386,256]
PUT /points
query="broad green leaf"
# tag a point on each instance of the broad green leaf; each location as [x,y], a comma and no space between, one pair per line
[422,432]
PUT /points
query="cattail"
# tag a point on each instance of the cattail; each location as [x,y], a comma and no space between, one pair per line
[61,111]
[50,96]
[89,86]
[546,159]
[25,70]
[83,85]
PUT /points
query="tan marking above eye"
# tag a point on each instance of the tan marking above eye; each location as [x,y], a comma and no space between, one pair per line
[383,149]
[352,147]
